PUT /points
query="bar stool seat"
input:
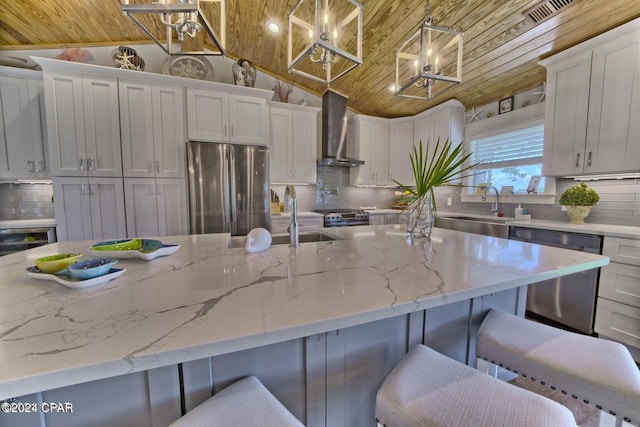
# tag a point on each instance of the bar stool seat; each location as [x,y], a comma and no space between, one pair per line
[597,371]
[429,389]
[245,403]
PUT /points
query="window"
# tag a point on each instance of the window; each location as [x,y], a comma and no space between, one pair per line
[509,159]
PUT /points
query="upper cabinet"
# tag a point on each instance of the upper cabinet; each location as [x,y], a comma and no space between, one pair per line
[446,121]
[369,141]
[593,104]
[23,148]
[83,125]
[227,117]
[152,118]
[294,138]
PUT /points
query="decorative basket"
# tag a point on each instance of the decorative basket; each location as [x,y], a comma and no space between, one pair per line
[127,58]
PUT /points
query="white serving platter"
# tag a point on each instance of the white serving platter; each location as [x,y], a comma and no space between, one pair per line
[147,255]
[65,278]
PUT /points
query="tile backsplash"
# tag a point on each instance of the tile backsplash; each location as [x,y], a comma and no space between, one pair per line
[26,201]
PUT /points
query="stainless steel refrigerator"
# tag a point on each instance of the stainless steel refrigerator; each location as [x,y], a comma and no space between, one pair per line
[228,187]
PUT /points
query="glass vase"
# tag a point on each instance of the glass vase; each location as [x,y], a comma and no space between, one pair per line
[420,217]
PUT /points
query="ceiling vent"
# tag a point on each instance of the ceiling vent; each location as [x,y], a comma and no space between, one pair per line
[545,10]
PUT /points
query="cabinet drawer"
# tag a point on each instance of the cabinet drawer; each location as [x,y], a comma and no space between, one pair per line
[620,282]
[310,224]
[626,251]
[279,225]
[618,321]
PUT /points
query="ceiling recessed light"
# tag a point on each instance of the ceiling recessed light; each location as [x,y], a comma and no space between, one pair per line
[274,27]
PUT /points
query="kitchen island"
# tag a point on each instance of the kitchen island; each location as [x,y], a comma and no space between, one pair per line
[320,325]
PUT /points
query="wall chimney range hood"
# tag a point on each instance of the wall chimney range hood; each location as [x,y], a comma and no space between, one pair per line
[334,132]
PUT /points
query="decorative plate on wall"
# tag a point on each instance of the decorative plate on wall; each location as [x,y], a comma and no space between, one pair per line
[192,67]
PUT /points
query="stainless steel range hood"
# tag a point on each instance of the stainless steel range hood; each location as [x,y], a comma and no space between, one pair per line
[334,131]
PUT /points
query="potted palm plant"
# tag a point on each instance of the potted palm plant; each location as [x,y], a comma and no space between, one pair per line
[578,200]
[446,164]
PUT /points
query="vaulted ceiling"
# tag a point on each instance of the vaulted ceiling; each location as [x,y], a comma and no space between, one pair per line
[501,47]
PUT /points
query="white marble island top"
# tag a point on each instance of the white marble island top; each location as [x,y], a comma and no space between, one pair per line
[207,299]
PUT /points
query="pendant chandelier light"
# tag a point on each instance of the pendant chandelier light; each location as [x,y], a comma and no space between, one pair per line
[325,39]
[187,29]
[429,61]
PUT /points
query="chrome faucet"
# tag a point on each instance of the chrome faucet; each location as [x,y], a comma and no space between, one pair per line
[293,223]
[495,207]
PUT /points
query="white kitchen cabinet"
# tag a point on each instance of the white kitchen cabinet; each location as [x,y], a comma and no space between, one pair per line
[281,224]
[369,141]
[401,142]
[23,151]
[152,118]
[592,106]
[294,138]
[156,207]
[226,117]
[618,308]
[384,219]
[89,208]
[83,125]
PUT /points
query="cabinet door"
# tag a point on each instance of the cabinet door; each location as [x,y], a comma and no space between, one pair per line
[613,131]
[376,219]
[400,146]
[169,131]
[303,146]
[279,225]
[72,208]
[15,135]
[565,115]
[207,115]
[102,126]
[280,151]
[136,116]
[171,196]
[65,124]
[248,120]
[107,208]
[141,206]
[362,142]
[40,150]
[381,154]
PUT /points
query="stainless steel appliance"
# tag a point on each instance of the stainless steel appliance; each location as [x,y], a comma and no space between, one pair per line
[228,187]
[334,131]
[344,217]
[568,300]
[20,239]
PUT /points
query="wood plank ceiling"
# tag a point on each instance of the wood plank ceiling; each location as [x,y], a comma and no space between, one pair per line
[501,47]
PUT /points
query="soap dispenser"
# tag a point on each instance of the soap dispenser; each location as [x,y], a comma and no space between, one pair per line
[518,211]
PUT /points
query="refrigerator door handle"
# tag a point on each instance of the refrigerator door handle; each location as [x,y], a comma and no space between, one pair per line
[226,190]
[232,178]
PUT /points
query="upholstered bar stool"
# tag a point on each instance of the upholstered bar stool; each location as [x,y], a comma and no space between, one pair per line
[245,403]
[597,371]
[429,389]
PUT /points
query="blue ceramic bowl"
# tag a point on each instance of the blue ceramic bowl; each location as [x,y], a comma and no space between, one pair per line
[90,268]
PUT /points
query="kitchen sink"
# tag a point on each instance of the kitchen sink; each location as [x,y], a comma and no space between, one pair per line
[283,239]
[484,226]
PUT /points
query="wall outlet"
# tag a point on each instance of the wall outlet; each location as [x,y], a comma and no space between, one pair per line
[449,201]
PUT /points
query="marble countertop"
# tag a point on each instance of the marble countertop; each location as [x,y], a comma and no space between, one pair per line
[301,214]
[207,299]
[28,223]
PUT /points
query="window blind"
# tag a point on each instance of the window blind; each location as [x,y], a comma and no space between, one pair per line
[520,147]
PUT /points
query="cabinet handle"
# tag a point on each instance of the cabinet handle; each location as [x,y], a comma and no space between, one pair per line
[159,189]
[90,164]
[149,166]
[231,131]
[92,189]
[225,131]
[589,159]
[151,189]
[81,165]
[157,165]
[577,159]
[29,166]
[83,190]
[39,167]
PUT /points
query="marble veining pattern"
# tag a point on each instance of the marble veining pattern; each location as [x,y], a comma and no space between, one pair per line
[206,299]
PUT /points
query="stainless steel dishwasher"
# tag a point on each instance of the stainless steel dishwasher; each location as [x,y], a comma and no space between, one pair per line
[568,300]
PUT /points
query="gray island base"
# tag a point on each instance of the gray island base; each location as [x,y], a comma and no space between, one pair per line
[320,325]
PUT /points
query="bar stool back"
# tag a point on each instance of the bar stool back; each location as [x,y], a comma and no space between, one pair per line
[597,371]
[429,389]
[245,403]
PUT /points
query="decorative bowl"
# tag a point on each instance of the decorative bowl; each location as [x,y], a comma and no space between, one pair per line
[90,268]
[55,263]
[118,245]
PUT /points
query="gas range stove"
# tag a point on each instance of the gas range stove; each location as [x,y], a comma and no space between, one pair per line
[344,217]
